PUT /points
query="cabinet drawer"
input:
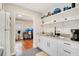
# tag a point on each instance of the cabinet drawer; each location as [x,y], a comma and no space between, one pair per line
[75,46]
[66,53]
[74,52]
[67,46]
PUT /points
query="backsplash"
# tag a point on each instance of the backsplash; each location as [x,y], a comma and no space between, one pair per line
[63,27]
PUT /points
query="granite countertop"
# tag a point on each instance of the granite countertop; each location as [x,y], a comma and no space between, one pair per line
[61,38]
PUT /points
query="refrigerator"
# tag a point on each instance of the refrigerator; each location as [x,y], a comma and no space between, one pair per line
[5,32]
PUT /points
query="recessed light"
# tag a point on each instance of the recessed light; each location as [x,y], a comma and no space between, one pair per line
[19,15]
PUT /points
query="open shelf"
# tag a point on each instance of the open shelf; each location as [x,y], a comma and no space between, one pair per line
[71,14]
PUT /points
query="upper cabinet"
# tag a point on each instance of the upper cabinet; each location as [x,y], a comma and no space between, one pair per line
[71,14]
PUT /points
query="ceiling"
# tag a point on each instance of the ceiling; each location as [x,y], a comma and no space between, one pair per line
[23,17]
[38,7]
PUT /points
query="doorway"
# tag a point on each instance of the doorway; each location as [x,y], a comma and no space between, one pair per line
[24,34]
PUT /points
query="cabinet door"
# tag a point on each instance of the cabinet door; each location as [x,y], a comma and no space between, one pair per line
[74,49]
[39,42]
[53,47]
[7,33]
[43,43]
[75,52]
[60,48]
[47,47]
[46,44]
[2,30]
[70,49]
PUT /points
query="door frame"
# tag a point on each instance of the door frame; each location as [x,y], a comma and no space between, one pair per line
[13,16]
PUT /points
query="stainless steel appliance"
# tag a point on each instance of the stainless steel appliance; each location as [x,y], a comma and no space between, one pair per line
[75,34]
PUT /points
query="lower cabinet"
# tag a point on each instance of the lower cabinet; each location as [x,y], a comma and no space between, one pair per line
[75,52]
[53,47]
[42,43]
[74,49]
[48,45]
[69,48]
[58,47]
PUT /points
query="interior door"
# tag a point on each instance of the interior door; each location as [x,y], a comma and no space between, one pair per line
[7,33]
[2,30]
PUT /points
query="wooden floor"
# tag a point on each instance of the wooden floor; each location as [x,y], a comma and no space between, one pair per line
[25,48]
[23,45]
[27,44]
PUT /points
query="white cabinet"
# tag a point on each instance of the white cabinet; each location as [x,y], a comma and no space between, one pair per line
[75,52]
[40,43]
[66,48]
[70,48]
[43,43]
[48,45]
[74,49]
[53,47]
[58,47]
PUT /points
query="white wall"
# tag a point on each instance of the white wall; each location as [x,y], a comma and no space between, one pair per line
[35,16]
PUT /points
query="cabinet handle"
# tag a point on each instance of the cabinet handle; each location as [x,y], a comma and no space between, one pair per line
[67,51]
[48,44]
[65,18]
[67,43]
[39,40]
[54,20]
